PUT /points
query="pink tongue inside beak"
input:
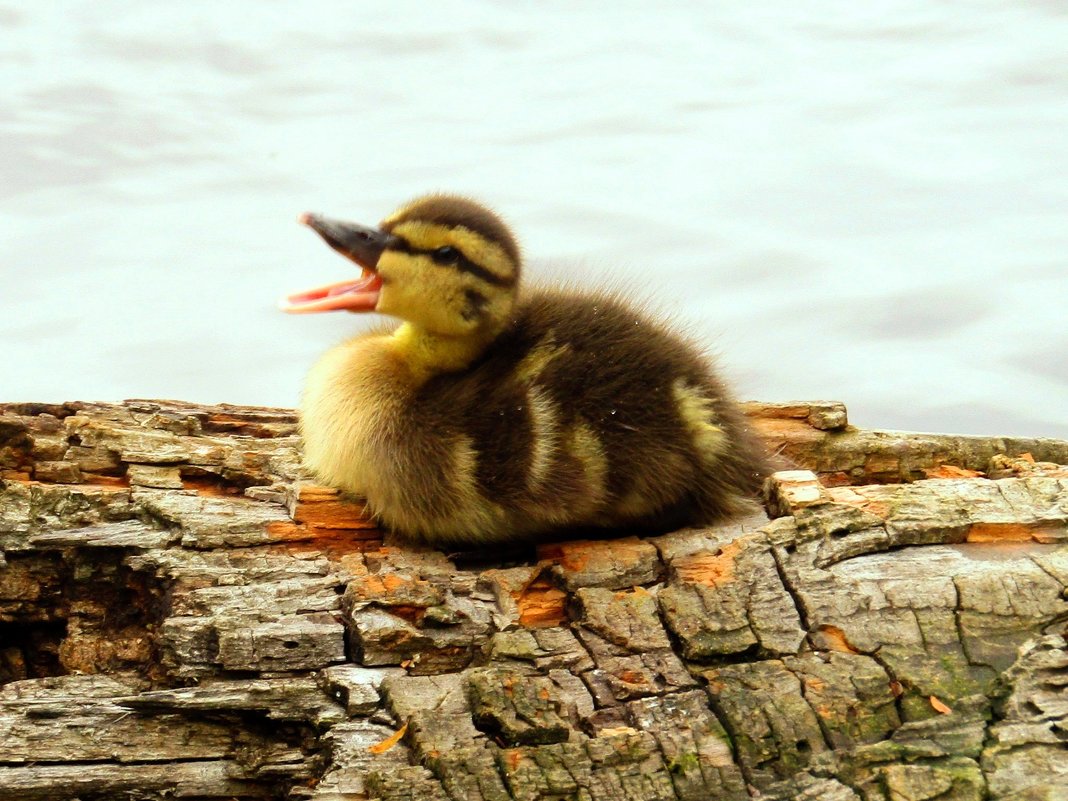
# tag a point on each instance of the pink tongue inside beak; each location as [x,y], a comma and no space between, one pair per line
[360,295]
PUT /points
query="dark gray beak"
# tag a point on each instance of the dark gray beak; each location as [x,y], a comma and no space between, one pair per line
[357,242]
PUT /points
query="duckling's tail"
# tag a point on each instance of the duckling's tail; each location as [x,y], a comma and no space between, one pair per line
[730,486]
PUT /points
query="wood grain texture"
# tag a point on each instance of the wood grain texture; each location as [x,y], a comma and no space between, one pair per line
[183,614]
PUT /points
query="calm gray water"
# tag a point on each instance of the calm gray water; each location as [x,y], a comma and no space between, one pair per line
[864,202]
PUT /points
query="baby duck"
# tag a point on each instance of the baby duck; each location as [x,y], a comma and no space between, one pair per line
[490,415]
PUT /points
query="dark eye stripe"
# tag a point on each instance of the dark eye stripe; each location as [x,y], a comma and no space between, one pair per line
[465,265]
[462,263]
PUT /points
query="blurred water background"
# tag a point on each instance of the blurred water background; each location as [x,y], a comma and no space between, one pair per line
[865,202]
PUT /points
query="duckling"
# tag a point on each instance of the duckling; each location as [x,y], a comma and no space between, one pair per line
[492,415]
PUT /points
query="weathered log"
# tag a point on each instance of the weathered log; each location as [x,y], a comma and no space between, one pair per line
[183,613]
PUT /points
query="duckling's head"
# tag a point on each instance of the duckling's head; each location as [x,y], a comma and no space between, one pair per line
[443,263]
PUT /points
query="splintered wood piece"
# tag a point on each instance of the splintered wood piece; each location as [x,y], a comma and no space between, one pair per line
[389,742]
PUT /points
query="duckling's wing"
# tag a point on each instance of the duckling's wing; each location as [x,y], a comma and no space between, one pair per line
[586,411]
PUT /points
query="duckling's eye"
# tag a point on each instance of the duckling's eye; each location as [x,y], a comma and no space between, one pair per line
[446,255]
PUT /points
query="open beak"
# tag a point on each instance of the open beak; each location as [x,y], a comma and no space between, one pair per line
[358,243]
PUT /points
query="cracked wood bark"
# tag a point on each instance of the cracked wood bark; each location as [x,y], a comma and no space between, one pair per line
[183,614]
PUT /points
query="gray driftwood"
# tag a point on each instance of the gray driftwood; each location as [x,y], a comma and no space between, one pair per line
[184,615]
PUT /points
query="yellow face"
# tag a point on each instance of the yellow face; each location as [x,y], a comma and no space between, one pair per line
[448,280]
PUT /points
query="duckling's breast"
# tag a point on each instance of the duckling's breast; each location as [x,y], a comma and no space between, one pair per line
[351,398]
[369,431]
